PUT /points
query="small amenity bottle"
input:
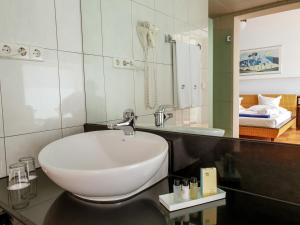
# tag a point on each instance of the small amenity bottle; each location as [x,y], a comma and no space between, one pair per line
[185,189]
[177,190]
[193,188]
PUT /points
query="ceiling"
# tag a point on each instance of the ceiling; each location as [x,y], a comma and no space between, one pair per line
[221,7]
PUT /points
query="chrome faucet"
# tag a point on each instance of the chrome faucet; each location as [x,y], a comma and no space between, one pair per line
[161,117]
[127,124]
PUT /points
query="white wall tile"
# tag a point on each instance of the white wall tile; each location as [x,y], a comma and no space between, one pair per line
[139,86]
[201,37]
[119,90]
[148,3]
[181,9]
[72,130]
[141,13]
[205,88]
[1,118]
[30,94]
[164,84]
[147,120]
[163,49]
[198,13]
[2,159]
[181,31]
[165,6]
[72,89]
[29,22]
[29,145]
[195,115]
[204,115]
[117,28]
[204,46]
[91,27]
[186,117]
[94,89]
[68,20]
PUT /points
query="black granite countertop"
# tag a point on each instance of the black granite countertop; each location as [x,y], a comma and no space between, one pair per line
[53,206]
[261,179]
[260,167]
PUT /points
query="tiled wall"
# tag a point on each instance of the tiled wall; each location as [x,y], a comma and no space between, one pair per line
[44,101]
[109,30]
[40,101]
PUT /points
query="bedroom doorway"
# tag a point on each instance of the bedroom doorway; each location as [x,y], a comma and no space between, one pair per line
[266,84]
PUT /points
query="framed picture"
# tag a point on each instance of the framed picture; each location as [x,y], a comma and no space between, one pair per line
[260,61]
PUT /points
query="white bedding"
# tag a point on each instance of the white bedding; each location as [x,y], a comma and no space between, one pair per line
[275,121]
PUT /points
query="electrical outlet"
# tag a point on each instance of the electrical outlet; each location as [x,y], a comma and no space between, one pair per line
[36,54]
[123,63]
[22,52]
[5,50]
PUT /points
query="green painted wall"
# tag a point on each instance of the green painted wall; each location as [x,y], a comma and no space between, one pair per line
[210,71]
[223,73]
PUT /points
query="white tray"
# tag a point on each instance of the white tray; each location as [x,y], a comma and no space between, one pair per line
[168,201]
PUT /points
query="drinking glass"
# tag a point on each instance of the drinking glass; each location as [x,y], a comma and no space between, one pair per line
[18,185]
[30,168]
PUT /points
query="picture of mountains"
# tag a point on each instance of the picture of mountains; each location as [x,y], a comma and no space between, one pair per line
[260,61]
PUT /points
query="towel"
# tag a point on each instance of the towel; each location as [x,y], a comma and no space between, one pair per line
[182,81]
[267,110]
[195,72]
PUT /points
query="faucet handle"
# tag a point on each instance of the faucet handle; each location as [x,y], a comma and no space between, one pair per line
[110,126]
[128,114]
[169,115]
[162,108]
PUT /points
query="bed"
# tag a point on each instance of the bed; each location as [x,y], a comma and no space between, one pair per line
[268,128]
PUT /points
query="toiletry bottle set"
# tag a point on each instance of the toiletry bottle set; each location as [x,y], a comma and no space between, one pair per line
[188,189]
[185,189]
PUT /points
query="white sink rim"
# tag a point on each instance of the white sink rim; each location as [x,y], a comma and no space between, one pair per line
[155,162]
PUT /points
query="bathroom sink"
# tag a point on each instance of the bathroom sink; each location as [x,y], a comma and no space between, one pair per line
[189,130]
[106,165]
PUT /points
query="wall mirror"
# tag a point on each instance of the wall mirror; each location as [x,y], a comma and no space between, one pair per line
[143,54]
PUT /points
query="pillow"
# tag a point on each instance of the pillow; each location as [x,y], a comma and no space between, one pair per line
[263,100]
[241,108]
[241,99]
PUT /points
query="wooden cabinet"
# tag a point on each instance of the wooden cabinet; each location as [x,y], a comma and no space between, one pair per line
[298,112]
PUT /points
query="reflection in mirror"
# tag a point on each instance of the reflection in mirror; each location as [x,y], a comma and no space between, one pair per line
[142,56]
[125,213]
[269,77]
[131,212]
[253,57]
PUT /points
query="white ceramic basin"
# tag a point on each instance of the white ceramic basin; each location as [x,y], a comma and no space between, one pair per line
[106,165]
